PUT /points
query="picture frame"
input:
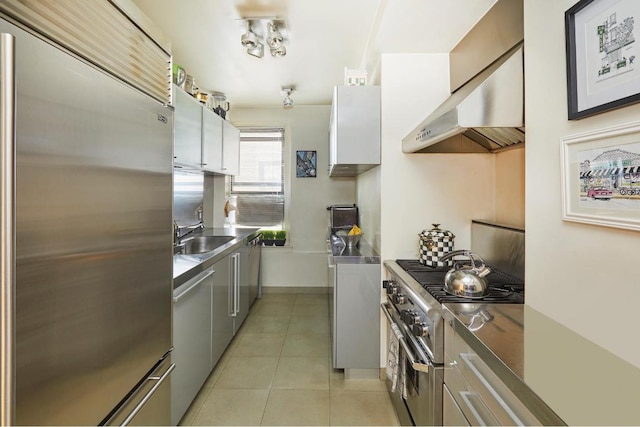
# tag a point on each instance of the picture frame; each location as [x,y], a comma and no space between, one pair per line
[603,56]
[601,177]
[306,164]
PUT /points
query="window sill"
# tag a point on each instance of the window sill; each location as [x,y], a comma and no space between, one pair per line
[277,248]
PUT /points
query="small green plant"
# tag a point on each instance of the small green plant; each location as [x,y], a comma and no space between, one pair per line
[281,234]
[268,234]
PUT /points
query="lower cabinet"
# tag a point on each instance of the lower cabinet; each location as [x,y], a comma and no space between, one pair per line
[355,318]
[242,286]
[208,310]
[222,327]
[230,298]
[191,341]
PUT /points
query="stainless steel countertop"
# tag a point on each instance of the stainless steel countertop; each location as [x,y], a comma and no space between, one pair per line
[559,375]
[363,253]
[186,267]
[499,342]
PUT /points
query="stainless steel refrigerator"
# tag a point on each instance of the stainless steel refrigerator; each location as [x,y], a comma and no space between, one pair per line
[86,242]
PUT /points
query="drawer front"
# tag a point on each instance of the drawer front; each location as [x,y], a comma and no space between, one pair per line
[481,394]
[452,415]
[465,396]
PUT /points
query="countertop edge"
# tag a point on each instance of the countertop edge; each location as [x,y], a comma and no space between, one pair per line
[363,253]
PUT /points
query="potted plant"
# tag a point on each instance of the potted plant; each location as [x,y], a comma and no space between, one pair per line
[281,237]
[273,238]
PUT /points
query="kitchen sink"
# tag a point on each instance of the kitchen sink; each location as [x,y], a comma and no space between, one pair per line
[202,244]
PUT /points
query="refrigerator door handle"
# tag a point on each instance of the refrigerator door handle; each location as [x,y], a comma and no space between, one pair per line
[159,380]
[7,229]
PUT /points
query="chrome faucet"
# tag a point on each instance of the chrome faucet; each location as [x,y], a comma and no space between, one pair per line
[176,231]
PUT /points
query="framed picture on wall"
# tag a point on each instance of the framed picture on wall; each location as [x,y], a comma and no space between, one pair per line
[306,164]
[603,56]
[601,177]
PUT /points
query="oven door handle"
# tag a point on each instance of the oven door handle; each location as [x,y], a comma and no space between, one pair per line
[416,365]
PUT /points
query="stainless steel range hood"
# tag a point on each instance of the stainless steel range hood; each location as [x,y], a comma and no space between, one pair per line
[488,110]
[485,114]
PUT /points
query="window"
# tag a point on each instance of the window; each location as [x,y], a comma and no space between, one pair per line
[258,189]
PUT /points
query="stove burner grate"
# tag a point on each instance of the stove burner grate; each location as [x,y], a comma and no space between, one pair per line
[503,288]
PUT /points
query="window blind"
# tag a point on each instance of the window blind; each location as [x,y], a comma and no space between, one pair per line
[258,188]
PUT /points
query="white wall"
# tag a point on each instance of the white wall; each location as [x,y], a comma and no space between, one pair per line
[420,189]
[304,261]
[409,192]
[369,204]
[582,276]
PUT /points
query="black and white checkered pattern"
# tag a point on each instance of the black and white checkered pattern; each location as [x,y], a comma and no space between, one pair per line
[431,257]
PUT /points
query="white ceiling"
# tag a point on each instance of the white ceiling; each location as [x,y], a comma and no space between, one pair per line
[325,36]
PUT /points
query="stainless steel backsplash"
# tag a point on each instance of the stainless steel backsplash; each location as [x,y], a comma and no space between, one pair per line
[188,195]
[500,246]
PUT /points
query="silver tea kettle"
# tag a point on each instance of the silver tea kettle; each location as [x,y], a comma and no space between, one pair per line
[466,280]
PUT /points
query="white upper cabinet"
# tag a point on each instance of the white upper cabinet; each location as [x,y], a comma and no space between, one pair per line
[231,148]
[354,130]
[212,141]
[187,144]
[203,140]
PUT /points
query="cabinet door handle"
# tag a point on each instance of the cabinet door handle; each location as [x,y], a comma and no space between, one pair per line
[237,277]
[176,298]
[232,288]
[466,397]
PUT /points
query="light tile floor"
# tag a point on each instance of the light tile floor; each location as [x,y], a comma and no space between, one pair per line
[277,371]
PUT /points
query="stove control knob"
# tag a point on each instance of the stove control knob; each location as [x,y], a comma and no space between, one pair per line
[407,316]
[399,299]
[392,288]
[410,317]
[420,330]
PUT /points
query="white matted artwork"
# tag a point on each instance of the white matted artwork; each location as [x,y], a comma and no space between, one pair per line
[601,177]
[603,50]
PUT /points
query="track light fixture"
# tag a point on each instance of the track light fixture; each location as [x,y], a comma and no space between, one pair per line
[257,51]
[271,30]
[274,38]
[287,102]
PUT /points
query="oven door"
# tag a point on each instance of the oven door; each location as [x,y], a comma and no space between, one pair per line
[416,392]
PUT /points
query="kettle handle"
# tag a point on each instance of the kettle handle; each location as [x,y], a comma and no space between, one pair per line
[464,252]
[481,269]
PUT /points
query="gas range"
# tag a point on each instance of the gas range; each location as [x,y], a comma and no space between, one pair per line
[416,294]
[413,310]
[503,288]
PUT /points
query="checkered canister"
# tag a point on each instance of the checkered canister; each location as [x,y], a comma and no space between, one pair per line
[434,244]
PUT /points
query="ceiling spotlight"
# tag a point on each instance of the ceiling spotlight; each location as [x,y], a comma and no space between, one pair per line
[257,51]
[249,39]
[287,102]
[262,31]
[280,51]
[274,38]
